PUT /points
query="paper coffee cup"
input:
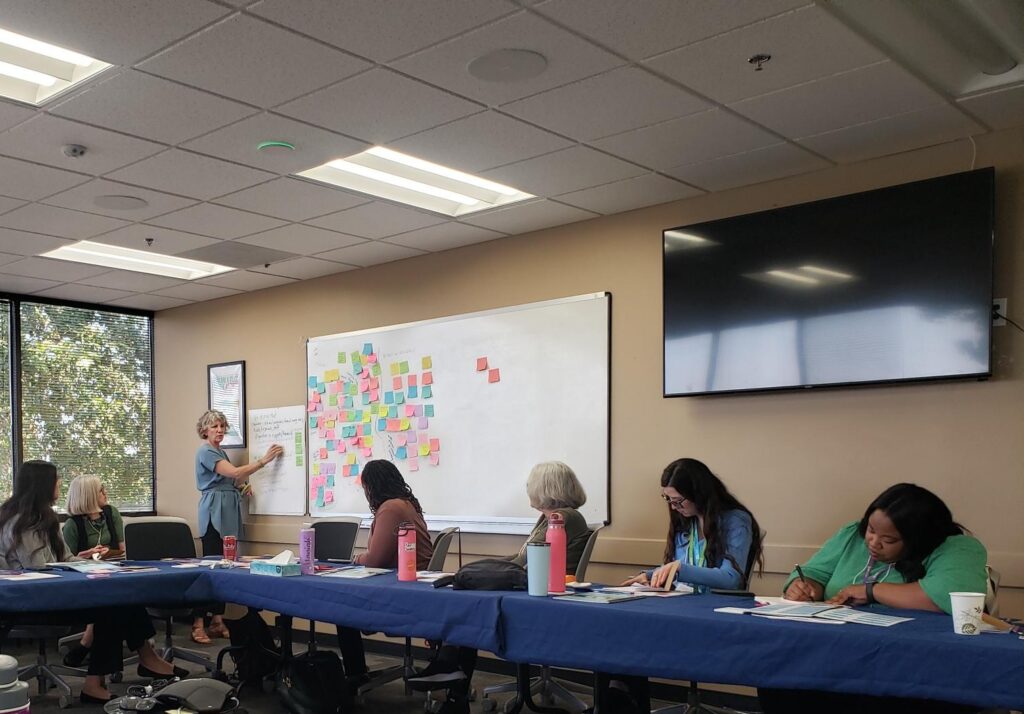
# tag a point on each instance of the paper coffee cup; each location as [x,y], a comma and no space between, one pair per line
[967,608]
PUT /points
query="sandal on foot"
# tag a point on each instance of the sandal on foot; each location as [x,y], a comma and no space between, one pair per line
[199,636]
[220,630]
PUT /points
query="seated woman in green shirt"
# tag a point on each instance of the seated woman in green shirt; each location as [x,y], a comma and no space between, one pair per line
[906,552]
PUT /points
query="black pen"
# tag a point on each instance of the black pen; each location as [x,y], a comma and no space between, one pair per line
[800,572]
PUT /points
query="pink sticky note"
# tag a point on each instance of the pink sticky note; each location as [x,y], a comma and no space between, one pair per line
[493,376]
[352,440]
[312,491]
[481,364]
[414,465]
[412,380]
[374,382]
[364,385]
[410,410]
[400,439]
[339,446]
[346,470]
[329,433]
[375,394]
[314,397]
[367,453]
[359,429]
[428,378]
[396,383]
[371,358]
[435,459]
[328,496]
[364,374]
[323,453]
[311,407]
[334,387]
[394,424]
[435,444]
[320,422]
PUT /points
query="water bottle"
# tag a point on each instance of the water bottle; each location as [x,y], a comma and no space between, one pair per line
[556,539]
[406,551]
[307,551]
[538,568]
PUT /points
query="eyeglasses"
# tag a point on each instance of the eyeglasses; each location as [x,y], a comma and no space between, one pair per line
[674,502]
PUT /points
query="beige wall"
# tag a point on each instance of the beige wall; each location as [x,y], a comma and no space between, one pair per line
[804,462]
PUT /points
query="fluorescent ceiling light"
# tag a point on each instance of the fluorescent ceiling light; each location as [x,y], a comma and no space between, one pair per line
[406,179]
[139,261]
[825,272]
[794,277]
[34,72]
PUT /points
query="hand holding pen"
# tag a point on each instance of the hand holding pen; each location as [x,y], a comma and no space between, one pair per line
[802,589]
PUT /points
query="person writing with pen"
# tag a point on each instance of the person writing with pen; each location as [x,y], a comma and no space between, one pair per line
[906,552]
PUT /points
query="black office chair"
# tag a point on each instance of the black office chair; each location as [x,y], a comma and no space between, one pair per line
[548,688]
[46,675]
[156,538]
[335,540]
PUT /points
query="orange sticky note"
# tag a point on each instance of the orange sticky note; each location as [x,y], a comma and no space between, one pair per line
[481,364]
[493,376]
[412,380]
[396,383]
[428,378]
[435,444]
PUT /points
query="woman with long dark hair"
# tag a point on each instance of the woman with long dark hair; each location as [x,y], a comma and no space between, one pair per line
[30,537]
[715,538]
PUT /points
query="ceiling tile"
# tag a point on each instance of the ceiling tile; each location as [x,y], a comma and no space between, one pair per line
[12,114]
[375,107]
[189,174]
[444,237]
[804,44]
[292,199]
[149,302]
[639,30]
[304,240]
[772,162]
[9,204]
[130,281]
[41,139]
[54,221]
[568,58]
[28,243]
[20,179]
[629,194]
[370,253]
[81,198]
[24,286]
[376,220]
[109,30]
[165,242]
[237,255]
[861,95]
[247,280]
[238,142]
[196,291]
[611,103]
[305,268]
[49,269]
[247,54]
[698,137]
[1000,109]
[563,171]
[369,28]
[892,135]
[83,293]
[151,107]
[526,217]
[481,141]
[6,258]
[216,221]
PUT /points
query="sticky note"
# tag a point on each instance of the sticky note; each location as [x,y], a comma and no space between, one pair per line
[428,410]
[412,380]
[351,388]
[329,495]
[405,425]
[355,469]
[382,424]
[356,357]
[399,398]
[334,387]
[332,399]
[481,364]
[414,463]
[375,394]
[428,377]
[329,434]
[323,453]
[367,348]
[400,452]
[371,358]
[392,411]
[339,445]
[414,392]
[316,469]
[389,397]
[364,385]
[367,453]
[366,398]
[321,387]
[364,373]
[428,392]
[435,459]
[329,423]
[311,382]
[421,423]
[424,449]
[367,418]
[395,367]
[331,375]
[427,362]
[341,358]
[400,439]
[312,406]
[348,402]
[411,437]
[403,367]
[330,444]
[435,445]
[312,422]
[367,441]
[351,458]
[375,369]
[346,470]
[493,376]
[410,410]
[396,383]
[382,410]
[374,383]
[393,425]
[417,410]
[314,397]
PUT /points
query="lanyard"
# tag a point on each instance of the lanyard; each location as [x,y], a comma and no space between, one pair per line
[695,551]
[868,577]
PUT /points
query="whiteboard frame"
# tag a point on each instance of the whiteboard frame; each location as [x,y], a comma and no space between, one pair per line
[488,524]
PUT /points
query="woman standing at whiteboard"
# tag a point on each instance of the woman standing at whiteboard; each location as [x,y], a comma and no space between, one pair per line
[220,500]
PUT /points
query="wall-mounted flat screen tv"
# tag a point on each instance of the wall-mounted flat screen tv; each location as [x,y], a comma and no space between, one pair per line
[883,286]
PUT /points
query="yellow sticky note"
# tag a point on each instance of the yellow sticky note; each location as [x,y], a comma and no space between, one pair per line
[394,369]
[367,416]
[367,441]
[316,469]
[382,410]
[405,425]
[329,424]
[427,363]
[424,449]
[331,375]
[351,458]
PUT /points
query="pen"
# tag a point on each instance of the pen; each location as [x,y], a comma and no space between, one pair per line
[800,572]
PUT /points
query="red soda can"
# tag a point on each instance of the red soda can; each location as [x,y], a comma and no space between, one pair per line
[230,548]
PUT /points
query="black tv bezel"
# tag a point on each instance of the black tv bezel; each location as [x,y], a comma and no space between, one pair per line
[974,376]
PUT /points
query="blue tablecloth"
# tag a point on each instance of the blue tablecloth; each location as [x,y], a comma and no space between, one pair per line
[682,638]
[379,604]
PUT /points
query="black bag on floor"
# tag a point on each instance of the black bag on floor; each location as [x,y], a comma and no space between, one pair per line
[253,649]
[314,683]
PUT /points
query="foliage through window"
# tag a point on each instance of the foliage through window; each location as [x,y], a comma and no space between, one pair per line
[86,397]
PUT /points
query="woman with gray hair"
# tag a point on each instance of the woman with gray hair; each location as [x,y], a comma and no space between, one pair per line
[553,488]
[220,485]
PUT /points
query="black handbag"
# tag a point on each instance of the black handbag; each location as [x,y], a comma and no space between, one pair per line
[314,683]
[490,574]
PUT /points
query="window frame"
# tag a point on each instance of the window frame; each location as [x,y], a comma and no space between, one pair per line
[14,301]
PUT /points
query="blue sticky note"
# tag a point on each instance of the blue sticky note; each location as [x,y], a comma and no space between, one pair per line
[311,382]
[320,496]
[330,481]
[348,402]
[330,444]
[427,392]
[312,422]
[382,424]
[368,348]
[321,387]
[400,452]
[413,392]
[399,398]
[358,415]
[389,397]
[393,412]
[428,410]
[366,398]
[355,469]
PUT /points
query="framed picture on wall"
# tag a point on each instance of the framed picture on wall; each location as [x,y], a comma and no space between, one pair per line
[226,393]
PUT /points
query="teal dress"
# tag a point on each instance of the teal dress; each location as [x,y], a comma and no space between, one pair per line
[220,503]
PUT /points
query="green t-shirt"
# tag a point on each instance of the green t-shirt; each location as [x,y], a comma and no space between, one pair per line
[96,532]
[957,565]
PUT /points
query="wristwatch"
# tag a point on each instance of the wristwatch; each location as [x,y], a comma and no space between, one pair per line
[869,590]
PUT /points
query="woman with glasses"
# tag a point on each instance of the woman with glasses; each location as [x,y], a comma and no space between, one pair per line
[715,539]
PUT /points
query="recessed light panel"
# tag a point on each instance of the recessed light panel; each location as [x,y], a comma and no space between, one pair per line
[140,261]
[33,72]
[406,179]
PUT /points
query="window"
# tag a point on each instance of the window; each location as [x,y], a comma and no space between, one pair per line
[86,397]
[6,434]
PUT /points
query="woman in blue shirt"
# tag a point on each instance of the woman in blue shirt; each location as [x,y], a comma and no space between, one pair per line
[220,485]
[713,536]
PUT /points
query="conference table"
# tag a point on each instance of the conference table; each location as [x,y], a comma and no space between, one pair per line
[675,638]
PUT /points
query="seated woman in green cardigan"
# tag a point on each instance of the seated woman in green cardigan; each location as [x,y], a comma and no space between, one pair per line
[906,552]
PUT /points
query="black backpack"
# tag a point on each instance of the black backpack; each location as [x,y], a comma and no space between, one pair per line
[314,683]
[253,649]
[490,574]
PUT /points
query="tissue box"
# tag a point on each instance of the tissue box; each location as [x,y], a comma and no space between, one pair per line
[280,570]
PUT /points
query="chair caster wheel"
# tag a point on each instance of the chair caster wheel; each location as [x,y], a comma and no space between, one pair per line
[488,705]
[64,701]
[116,677]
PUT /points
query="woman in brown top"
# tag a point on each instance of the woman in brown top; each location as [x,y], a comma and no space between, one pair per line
[391,503]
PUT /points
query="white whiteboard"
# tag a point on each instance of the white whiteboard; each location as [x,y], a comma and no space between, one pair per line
[279,488]
[549,400]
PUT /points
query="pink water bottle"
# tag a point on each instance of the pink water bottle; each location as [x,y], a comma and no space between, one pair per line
[406,551]
[556,539]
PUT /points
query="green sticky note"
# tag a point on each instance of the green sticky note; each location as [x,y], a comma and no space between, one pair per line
[404,367]
[341,358]
[375,369]
[428,410]
[427,392]
[332,400]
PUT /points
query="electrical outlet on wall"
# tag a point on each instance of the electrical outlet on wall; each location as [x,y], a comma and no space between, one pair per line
[998,308]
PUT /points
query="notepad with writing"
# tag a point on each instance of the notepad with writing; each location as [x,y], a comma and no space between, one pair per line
[824,611]
[600,597]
